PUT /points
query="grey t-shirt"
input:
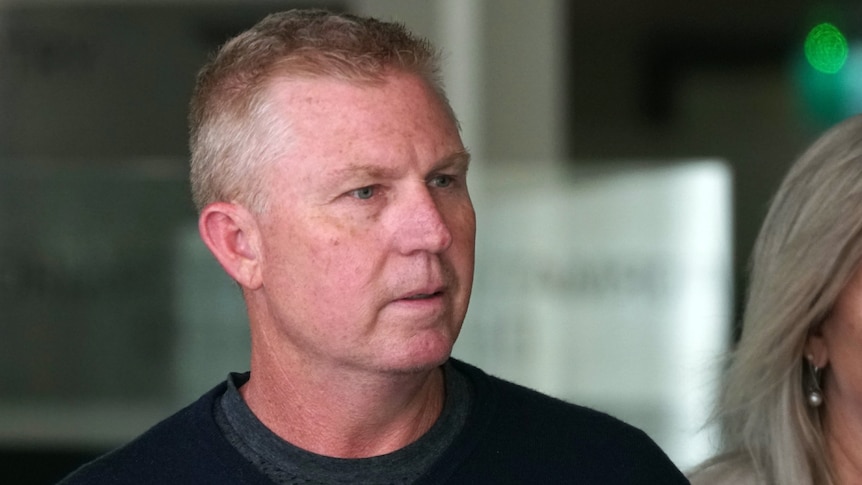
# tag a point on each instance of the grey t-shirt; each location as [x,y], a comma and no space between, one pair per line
[287,464]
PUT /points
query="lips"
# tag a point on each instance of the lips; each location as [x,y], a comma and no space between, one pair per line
[423,294]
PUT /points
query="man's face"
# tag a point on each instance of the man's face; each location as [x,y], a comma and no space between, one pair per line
[367,246]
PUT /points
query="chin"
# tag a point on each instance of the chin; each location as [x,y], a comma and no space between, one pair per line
[423,356]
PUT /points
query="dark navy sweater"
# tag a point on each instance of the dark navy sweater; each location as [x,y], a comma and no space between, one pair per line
[513,435]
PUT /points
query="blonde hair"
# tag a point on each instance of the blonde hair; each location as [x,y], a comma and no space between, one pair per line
[809,246]
[234,128]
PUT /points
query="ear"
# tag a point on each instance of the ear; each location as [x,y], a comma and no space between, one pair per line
[816,350]
[231,233]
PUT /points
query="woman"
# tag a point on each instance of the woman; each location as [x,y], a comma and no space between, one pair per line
[790,411]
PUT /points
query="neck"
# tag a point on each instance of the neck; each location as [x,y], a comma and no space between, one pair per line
[344,413]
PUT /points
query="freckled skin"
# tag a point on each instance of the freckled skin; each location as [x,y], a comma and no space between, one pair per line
[336,267]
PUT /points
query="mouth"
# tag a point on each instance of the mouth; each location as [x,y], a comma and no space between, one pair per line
[422,305]
[427,293]
[423,296]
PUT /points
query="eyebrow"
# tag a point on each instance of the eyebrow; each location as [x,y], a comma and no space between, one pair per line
[459,159]
[364,169]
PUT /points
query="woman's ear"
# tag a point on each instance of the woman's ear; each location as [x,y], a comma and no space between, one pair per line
[231,233]
[816,350]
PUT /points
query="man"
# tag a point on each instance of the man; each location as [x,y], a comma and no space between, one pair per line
[331,182]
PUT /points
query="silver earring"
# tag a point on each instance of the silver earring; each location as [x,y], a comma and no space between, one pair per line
[815,395]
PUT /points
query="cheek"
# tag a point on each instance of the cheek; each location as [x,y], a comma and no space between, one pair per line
[843,339]
[300,255]
[465,235]
[844,329]
[345,261]
[461,254]
[462,220]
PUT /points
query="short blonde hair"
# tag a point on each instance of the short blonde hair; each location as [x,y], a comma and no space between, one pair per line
[233,128]
[808,248]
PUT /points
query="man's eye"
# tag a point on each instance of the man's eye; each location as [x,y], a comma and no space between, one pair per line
[441,181]
[364,193]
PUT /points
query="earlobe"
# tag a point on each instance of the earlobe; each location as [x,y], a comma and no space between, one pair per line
[231,234]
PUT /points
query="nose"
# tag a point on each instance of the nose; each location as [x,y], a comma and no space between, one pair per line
[421,224]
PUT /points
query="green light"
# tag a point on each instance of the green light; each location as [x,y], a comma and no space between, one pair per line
[826,48]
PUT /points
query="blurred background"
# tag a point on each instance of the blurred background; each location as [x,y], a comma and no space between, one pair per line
[625,153]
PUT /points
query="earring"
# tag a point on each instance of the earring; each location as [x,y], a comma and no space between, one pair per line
[815,395]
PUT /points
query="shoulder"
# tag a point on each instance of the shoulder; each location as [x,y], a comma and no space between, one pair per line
[725,472]
[517,403]
[187,447]
[532,430]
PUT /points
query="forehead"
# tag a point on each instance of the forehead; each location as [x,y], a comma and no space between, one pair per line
[392,93]
[401,116]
